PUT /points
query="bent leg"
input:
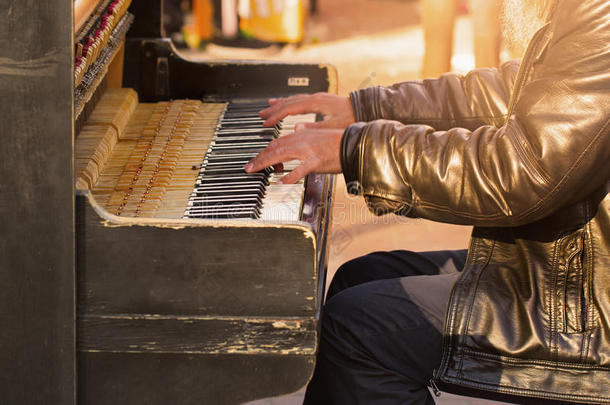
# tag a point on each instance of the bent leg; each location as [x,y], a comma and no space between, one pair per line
[395,264]
[381,338]
[381,342]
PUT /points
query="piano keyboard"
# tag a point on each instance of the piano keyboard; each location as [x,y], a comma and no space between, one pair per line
[224,190]
[183,159]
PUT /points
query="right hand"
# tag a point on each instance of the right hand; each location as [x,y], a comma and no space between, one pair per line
[316,149]
[336,111]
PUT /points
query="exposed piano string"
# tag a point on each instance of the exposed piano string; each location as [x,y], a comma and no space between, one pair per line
[143,160]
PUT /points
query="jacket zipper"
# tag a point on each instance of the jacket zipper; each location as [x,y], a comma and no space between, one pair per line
[435,390]
[566,290]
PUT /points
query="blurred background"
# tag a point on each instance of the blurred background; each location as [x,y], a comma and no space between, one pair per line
[370,42]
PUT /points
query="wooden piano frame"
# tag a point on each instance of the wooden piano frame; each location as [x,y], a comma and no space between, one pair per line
[99,309]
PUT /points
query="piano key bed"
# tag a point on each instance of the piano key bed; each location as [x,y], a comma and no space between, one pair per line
[183,159]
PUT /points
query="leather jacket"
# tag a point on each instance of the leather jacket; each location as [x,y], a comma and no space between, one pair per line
[522,153]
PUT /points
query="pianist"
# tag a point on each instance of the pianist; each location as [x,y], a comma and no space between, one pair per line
[522,153]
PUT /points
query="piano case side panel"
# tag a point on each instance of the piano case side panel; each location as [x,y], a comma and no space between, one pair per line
[37,338]
[194,270]
[193,315]
[164,379]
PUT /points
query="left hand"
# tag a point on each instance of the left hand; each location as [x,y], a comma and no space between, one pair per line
[317,150]
[336,110]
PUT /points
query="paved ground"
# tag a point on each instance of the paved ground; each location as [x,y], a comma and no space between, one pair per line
[369,51]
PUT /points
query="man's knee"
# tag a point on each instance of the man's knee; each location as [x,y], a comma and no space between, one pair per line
[340,316]
[351,273]
[379,266]
[364,309]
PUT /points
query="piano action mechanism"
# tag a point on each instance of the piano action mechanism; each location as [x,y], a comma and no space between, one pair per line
[193,286]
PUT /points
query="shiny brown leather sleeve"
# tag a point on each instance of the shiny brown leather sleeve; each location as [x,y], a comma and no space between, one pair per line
[554,148]
[478,98]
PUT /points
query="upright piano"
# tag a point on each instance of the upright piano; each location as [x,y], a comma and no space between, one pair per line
[158,272]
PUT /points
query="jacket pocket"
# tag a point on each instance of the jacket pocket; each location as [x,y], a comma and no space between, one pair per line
[572,285]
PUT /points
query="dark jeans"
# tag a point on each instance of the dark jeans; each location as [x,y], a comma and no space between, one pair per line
[382,329]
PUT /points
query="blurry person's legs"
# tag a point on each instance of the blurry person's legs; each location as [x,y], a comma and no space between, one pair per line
[438,17]
[487,32]
[382,328]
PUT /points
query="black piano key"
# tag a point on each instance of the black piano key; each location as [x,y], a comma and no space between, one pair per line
[235,214]
[258,139]
[244,139]
[233,127]
[222,165]
[238,122]
[255,107]
[233,150]
[252,108]
[245,106]
[206,182]
[244,128]
[218,177]
[223,171]
[236,192]
[225,200]
[231,202]
[250,142]
[208,206]
[224,158]
[202,206]
[255,143]
[241,113]
[238,206]
[225,207]
[231,171]
[237,184]
[248,214]
[248,131]
[234,123]
[241,176]
[226,192]
[228,187]
[206,199]
[214,163]
[232,179]
[206,195]
[243,119]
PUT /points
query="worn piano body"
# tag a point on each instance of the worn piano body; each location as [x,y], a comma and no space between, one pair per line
[162,310]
